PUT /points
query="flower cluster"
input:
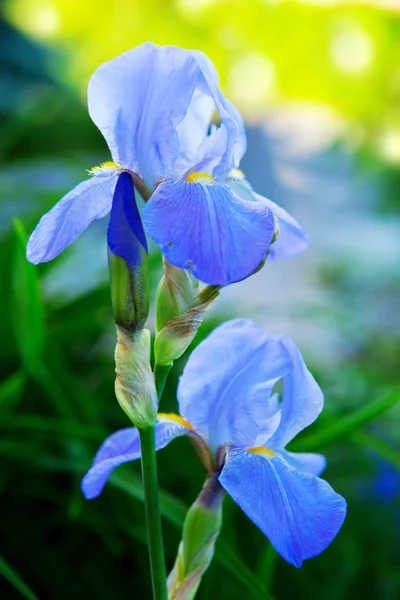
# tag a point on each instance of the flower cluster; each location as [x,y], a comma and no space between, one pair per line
[176,143]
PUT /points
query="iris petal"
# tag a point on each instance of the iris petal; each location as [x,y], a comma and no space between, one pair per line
[231,129]
[292,238]
[305,462]
[138,100]
[225,388]
[126,236]
[209,229]
[302,399]
[124,446]
[193,130]
[299,513]
[58,228]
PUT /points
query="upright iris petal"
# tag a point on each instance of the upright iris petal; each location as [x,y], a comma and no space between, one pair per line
[239,428]
[228,402]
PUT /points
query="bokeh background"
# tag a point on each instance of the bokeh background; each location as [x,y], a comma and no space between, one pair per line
[318,83]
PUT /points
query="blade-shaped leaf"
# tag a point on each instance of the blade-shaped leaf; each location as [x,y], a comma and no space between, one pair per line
[26,303]
[348,424]
[12,577]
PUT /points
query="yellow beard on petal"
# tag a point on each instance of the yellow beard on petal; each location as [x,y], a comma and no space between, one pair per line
[176,418]
[105,167]
[261,451]
[199,177]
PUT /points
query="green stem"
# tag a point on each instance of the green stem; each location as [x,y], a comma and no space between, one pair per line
[153,517]
[161,374]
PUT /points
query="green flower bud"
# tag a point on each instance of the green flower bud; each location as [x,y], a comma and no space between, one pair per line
[172,341]
[175,294]
[134,386]
[179,313]
[129,292]
[127,258]
[196,550]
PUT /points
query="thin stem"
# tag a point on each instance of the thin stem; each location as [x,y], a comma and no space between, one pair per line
[161,374]
[153,517]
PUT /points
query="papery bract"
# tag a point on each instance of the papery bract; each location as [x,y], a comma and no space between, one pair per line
[240,429]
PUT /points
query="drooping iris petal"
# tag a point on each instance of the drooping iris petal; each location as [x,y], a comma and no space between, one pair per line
[124,446]
[125,235]
[207,228]
[305,462]
[58,228]
[299,513]
[292,239]
[226,385]
[302,399]
[138,100]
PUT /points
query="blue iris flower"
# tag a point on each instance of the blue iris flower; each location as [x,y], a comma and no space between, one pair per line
[154,107]
[240,429]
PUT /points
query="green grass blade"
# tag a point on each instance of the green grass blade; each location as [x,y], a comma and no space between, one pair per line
[12,577]
[345,426]
[380,447]
[27,311]
[12,387]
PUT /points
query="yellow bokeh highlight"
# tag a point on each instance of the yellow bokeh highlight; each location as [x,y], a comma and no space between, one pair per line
[268,53]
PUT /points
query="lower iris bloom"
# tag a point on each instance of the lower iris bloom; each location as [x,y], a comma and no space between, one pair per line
[240,428]
[154,107]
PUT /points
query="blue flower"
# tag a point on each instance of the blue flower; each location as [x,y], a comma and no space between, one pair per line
[240,429]
[154,107]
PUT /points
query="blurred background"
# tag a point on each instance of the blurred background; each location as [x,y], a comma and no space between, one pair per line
[318,83]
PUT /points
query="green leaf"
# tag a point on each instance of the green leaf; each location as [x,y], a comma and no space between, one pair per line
[8,573]
[12,387]
[174,511]
[27,311]
[380,447]
[347,425]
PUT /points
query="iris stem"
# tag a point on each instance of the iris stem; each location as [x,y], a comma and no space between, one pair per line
[161,374]
[153,517]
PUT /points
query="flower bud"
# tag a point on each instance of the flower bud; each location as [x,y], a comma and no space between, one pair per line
[134,386]
[175,294]
[200,531]
[127,258]
[179,313]
[172,341]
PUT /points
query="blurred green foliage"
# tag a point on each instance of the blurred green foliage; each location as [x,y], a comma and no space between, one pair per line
[57,373]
